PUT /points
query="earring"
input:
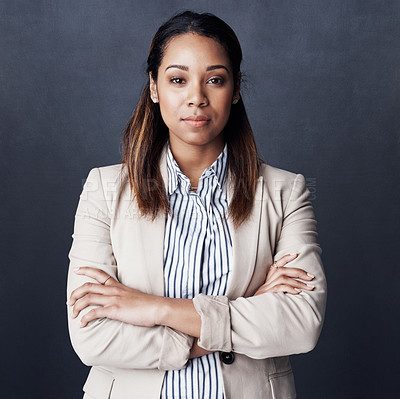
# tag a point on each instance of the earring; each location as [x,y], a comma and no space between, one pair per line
[155,100]
[235,101]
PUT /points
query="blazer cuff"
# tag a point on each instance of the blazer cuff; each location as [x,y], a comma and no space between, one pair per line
[215,332]
[175,349]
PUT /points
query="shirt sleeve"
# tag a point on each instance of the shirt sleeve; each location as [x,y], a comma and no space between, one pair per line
[273,324]
[106,342]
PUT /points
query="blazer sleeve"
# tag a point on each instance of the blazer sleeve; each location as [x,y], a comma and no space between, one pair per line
[273,324]
[106,342]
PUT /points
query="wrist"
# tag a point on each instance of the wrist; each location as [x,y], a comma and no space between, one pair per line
[179,314]
[161,311]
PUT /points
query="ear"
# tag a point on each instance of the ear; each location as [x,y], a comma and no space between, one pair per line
[236,93]
[153,89]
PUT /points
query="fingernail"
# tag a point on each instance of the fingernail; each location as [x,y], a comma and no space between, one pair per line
[76,269]
[311,286]
[310,275]
[297,289]
[293,253]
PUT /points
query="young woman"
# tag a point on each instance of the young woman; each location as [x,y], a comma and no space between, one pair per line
[171,292]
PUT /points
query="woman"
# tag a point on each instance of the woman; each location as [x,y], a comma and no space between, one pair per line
[171,289]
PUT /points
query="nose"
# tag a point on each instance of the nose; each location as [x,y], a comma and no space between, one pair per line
[196,95]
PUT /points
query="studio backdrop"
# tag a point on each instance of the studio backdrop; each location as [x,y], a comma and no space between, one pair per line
[321,87]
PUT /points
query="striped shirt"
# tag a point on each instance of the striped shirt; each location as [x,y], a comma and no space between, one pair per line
[197,259]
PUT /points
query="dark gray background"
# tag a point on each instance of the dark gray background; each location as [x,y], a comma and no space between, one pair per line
[322,95]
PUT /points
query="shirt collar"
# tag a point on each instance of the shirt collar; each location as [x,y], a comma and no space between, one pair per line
[177,177]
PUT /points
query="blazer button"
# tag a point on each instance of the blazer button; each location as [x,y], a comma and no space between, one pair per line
[227,357]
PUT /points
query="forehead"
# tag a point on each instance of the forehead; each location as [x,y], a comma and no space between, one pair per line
[193,49]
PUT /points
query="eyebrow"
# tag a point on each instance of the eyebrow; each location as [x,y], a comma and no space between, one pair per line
[186,68]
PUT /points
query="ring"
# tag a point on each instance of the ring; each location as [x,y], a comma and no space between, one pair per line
[106,280]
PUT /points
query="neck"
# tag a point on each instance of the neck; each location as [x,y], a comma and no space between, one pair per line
[193,160]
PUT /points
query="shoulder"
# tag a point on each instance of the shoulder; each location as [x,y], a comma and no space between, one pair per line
[282,184]
[272,172]
[278,177]
[107,173]
[111,172]
[107,181]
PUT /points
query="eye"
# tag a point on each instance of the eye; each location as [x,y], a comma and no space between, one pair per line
[217,81]
[177,80]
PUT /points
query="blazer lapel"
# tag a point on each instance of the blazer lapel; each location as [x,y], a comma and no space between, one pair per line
[244,244]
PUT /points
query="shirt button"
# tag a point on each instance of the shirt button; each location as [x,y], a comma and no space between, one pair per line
[227,357]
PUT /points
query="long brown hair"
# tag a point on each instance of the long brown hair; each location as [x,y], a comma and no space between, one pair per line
[146,133]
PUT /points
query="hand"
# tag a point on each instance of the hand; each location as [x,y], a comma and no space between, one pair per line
[284,279]
[116,301]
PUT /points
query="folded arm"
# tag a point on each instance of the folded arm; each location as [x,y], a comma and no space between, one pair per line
[269,324]
[273,324]
[104,341]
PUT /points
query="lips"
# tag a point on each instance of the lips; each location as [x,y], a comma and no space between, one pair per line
[197,118]
[197,121]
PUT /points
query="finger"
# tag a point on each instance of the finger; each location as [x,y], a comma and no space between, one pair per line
[91,288]
[290,281]
[285,259]
[288,289]
[98,313]
[294,272]
[290,272]
[99,275]
[297,273]
[91,300]
[279,288]
[280,263]
[285,280]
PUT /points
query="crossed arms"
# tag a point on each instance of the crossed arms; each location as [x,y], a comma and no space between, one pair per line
[115,325]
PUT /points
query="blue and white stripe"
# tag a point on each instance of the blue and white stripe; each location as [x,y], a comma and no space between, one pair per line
[197,259]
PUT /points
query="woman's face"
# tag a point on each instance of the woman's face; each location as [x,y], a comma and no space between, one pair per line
[195,90]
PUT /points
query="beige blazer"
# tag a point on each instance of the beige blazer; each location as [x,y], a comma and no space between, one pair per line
[130,361]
